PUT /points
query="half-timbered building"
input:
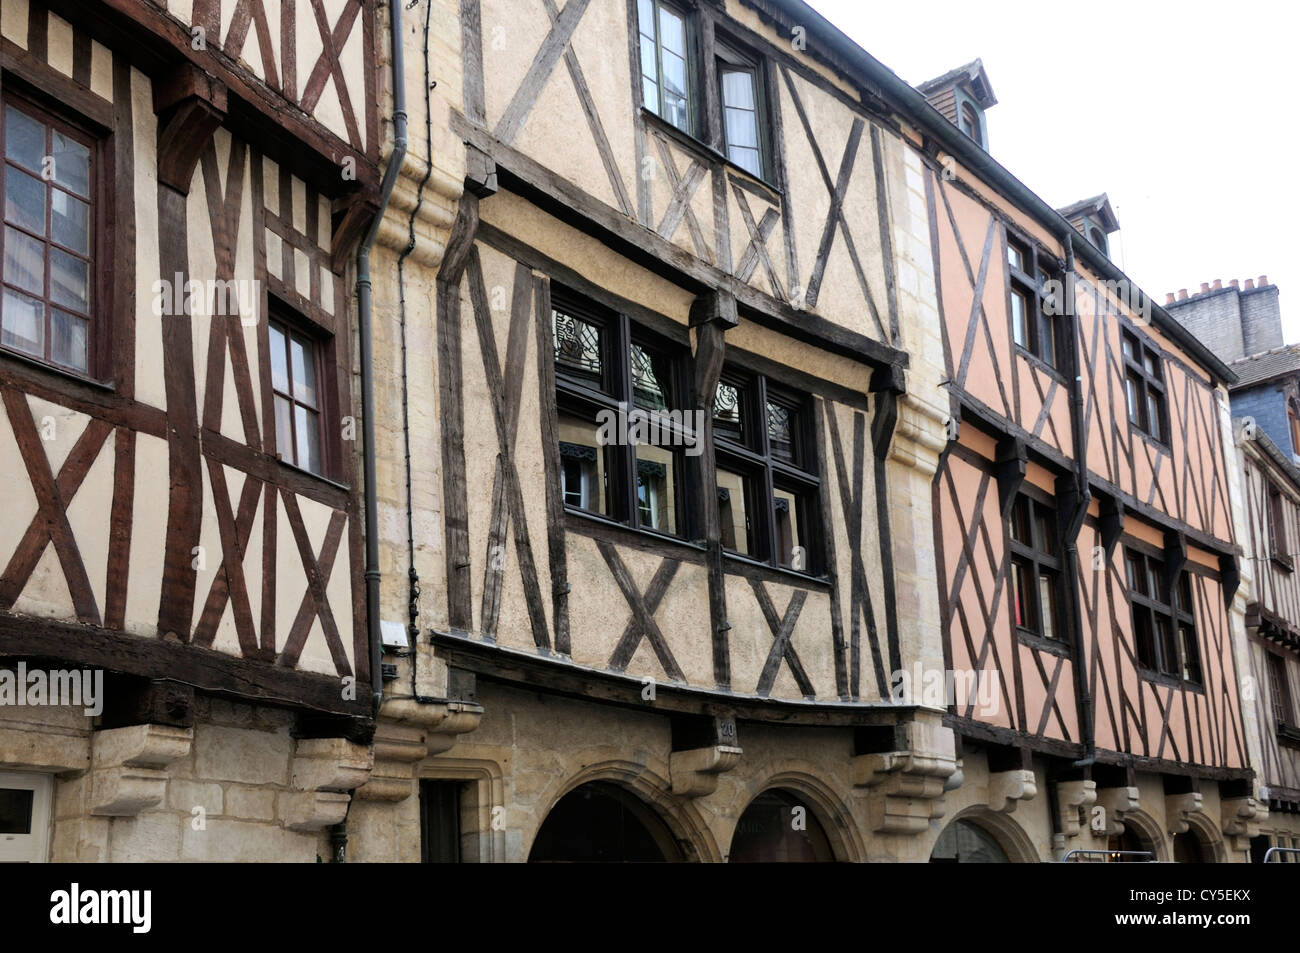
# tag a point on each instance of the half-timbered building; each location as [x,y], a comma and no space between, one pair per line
[183,183]
[681,641]
[1243,322]
[1085,533]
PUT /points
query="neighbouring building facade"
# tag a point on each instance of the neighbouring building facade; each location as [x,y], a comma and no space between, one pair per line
[1243,322]
[514,430]
[182,186]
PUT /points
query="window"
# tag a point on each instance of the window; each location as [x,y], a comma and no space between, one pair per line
[1279,692]
[49,177]
[1144,387]
[1035,567]
[622,425]
[666,81]
[970,122]
[743,124]
[296,377]
[1098,238]
[1033,305]
[1279,548]
[767,491]
[24,817]
[1163,625]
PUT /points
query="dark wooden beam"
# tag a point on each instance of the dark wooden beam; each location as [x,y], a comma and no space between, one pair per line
[131,700]
[350,215]
[888,383]
[1012,463]
[203,669]
[558,676]
[191,107]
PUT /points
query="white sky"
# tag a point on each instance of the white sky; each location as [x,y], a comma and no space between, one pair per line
[1184,113]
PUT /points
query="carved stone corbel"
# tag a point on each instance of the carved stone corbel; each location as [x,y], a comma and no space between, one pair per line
[694,773]
[905,786]
[1117,802]
[1073,798]
[1009,788]
[1177,807]
[408,732]
[325,771]
[128,770]
[1240,820]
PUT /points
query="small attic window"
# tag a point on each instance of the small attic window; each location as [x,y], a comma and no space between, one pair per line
[1098,238]
[970,122]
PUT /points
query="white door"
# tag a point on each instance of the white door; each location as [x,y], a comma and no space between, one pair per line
[24,817]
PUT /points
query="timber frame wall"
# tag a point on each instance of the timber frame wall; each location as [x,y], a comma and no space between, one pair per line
[157,535]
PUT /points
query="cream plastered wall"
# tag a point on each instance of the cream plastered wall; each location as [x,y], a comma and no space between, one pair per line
[267,47]
[593,140]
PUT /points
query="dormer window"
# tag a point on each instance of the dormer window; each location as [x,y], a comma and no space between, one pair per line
[962,96]
[1098,238]
[970,122]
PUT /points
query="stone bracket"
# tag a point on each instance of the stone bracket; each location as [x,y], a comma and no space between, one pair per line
[1117,801]
[1009,788]
[905,787]
[694,773]
[1241,819]
[1177,807]
[128,771]
[408,732]
[325,770]
[1073,800]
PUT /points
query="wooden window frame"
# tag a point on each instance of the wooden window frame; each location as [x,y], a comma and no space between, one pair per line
[1153,662]
[1279,548]
[1145,384]
[324,360]
[48,108]
[708,41]
[1281,704]
[1038,557]
[578,398]
[691,42]
[1028,283]
[737,57]
[751,455]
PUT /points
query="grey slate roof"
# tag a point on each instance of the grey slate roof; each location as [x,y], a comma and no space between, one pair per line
[1266,365]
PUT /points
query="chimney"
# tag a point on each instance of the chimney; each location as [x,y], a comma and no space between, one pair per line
[1250,284]
[1218,284]
[1169,297]
[1234,284]
[1262,281]
[1182,294]
[1205,286]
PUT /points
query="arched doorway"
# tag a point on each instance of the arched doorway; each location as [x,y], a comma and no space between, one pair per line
[603,822]
[1130,842]
[965,842]
[1194,845]
[779,827]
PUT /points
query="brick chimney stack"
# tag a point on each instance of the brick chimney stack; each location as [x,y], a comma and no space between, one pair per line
[1250,284]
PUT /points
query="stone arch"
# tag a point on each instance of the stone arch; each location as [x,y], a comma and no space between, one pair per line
[1149,831]
[1208,836]
[680,817]
[1004,829]
[830,811]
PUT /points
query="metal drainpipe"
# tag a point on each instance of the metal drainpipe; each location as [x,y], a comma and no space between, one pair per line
[367,375]
[1076,518]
